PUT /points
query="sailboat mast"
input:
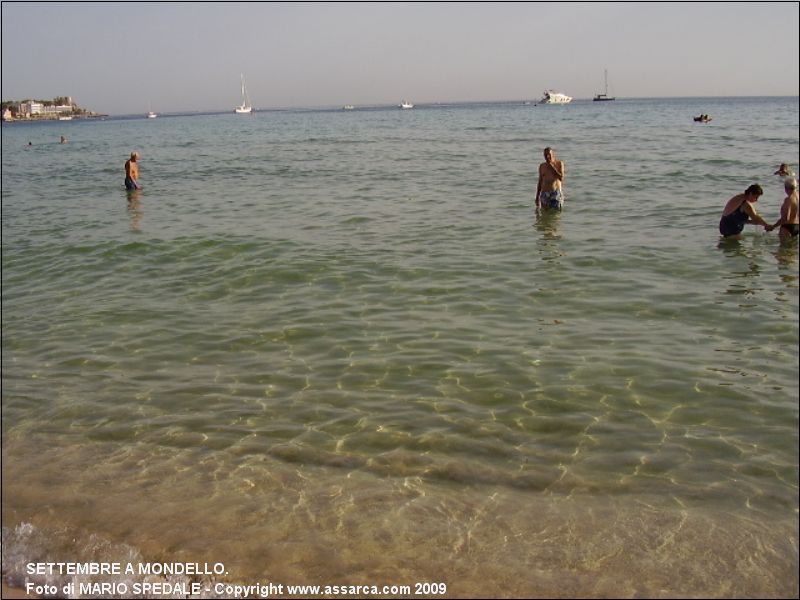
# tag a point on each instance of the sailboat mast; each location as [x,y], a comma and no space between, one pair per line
[245,108]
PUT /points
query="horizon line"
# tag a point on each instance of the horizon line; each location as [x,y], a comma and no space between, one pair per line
[430,104]
[382,105]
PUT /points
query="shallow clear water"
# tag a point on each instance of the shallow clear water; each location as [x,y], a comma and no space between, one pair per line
[340,346]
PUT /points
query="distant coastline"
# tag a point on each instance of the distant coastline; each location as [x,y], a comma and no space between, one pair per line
[87,114]
[60,108]
[41,119]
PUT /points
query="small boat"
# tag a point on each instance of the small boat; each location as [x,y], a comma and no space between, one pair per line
[65,118]
[553,97]
[604,97]
[245,108]
[702,119]
[151,115]
[406,104]
[348,107]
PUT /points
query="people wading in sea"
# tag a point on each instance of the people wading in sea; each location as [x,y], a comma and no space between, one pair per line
[739,211]
[549,192]
[132,172]
[788,223]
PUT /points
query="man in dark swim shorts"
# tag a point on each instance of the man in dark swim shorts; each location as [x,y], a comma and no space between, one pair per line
[788,223]
[132,172]
[792,229]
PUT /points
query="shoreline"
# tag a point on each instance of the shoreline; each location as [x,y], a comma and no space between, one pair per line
[656,545]
[49,119]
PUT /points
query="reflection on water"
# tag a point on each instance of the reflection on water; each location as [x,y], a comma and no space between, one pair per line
[547,224]
[744,263]
[135,208]
[547,221]
[787,256]
[741,278]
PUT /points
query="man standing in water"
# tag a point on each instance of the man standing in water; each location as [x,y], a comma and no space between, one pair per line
[551,178]
[132,172]
[789,222]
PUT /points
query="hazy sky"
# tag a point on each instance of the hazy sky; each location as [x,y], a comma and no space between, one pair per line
[122,58]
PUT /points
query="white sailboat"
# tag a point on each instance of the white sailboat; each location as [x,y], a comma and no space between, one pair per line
[245,108]
[406,104]
[604,97]
[150,113]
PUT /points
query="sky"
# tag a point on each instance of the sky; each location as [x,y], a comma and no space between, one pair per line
[128,58]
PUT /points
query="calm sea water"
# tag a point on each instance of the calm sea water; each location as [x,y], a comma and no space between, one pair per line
[330,347]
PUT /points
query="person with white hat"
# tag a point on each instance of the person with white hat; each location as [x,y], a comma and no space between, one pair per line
[788,223]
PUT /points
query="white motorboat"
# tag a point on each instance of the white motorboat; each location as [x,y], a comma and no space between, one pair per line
[406,104]
[553,97]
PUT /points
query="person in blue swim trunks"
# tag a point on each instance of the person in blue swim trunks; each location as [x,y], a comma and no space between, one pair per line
[549,190]
[739,211]
[132,172]
[552,199]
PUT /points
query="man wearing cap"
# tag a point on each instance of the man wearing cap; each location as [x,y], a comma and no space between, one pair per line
[132,172]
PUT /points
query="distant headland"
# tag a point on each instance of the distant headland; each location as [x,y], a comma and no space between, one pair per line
[62,108]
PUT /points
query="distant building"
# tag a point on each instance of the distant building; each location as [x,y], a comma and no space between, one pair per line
[31,108]
[48,109]
[61,109]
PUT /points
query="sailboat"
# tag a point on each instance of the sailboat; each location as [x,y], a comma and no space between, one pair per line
[604,97]
[245,108]
[150,113]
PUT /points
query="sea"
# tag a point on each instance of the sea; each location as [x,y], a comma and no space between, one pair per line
[333,347]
